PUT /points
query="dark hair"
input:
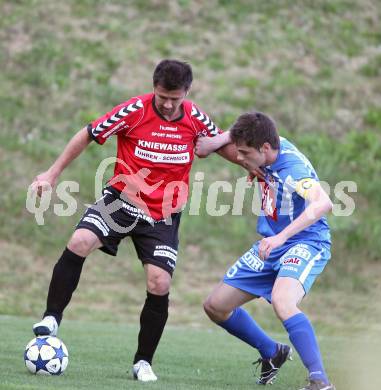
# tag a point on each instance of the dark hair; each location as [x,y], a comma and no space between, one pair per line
[173,74]
[254,129]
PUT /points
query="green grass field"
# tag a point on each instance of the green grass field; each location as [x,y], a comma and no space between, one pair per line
[187,358]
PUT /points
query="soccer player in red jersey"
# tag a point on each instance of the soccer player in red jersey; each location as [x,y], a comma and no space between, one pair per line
[156,137]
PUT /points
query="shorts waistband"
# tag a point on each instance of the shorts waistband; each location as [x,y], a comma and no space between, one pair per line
[134,211]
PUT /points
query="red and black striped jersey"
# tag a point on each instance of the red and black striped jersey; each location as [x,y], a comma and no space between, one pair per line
[154,156]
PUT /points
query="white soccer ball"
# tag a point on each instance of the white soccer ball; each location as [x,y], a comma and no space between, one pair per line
[46,355]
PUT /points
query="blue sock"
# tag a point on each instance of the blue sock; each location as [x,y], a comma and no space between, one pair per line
[241,325]
[303,338]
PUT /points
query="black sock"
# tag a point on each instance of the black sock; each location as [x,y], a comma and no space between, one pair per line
[152,321]
[65,278]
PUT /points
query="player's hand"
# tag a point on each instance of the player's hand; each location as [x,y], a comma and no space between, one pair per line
[266,245]
[43,181]
[204,146]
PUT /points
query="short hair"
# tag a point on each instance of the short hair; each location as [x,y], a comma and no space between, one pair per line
[173,74]
[254,129]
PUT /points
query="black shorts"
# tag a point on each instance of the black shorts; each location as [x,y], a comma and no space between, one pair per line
[156,242]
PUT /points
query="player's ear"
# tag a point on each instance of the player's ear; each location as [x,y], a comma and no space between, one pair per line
[187,90]
[265,147]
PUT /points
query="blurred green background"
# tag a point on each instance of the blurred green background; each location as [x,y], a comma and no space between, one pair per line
[315,66]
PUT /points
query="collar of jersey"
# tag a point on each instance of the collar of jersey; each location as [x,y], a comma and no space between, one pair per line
[181,116]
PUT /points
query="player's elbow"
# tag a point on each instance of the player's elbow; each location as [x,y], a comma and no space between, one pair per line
[323,207]
[322,202]
[328,206]
[200,154]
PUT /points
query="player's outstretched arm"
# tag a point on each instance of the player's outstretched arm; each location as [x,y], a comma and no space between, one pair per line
[208,145]
[72,150]
[319,204]
[229,152]
[222,145]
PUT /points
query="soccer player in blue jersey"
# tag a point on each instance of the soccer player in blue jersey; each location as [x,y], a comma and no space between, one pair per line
[283,265]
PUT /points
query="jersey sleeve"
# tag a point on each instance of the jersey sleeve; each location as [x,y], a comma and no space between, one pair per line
[203,124]
[304,186]
[119,119]
[300,179]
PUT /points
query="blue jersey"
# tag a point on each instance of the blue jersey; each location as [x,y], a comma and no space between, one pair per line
[281,204]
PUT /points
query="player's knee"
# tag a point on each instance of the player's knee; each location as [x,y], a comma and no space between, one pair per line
[209,308]
[283,306]
[82,242]
[213,311]
[158,284]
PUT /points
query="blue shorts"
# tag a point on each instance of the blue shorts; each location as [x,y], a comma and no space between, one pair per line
[303,261]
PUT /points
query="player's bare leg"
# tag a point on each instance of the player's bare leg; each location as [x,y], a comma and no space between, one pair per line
[223,300]
[83,242]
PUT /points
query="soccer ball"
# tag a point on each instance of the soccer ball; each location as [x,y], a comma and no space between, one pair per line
[46,355]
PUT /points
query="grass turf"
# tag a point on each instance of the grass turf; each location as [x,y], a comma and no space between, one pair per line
[187,358]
